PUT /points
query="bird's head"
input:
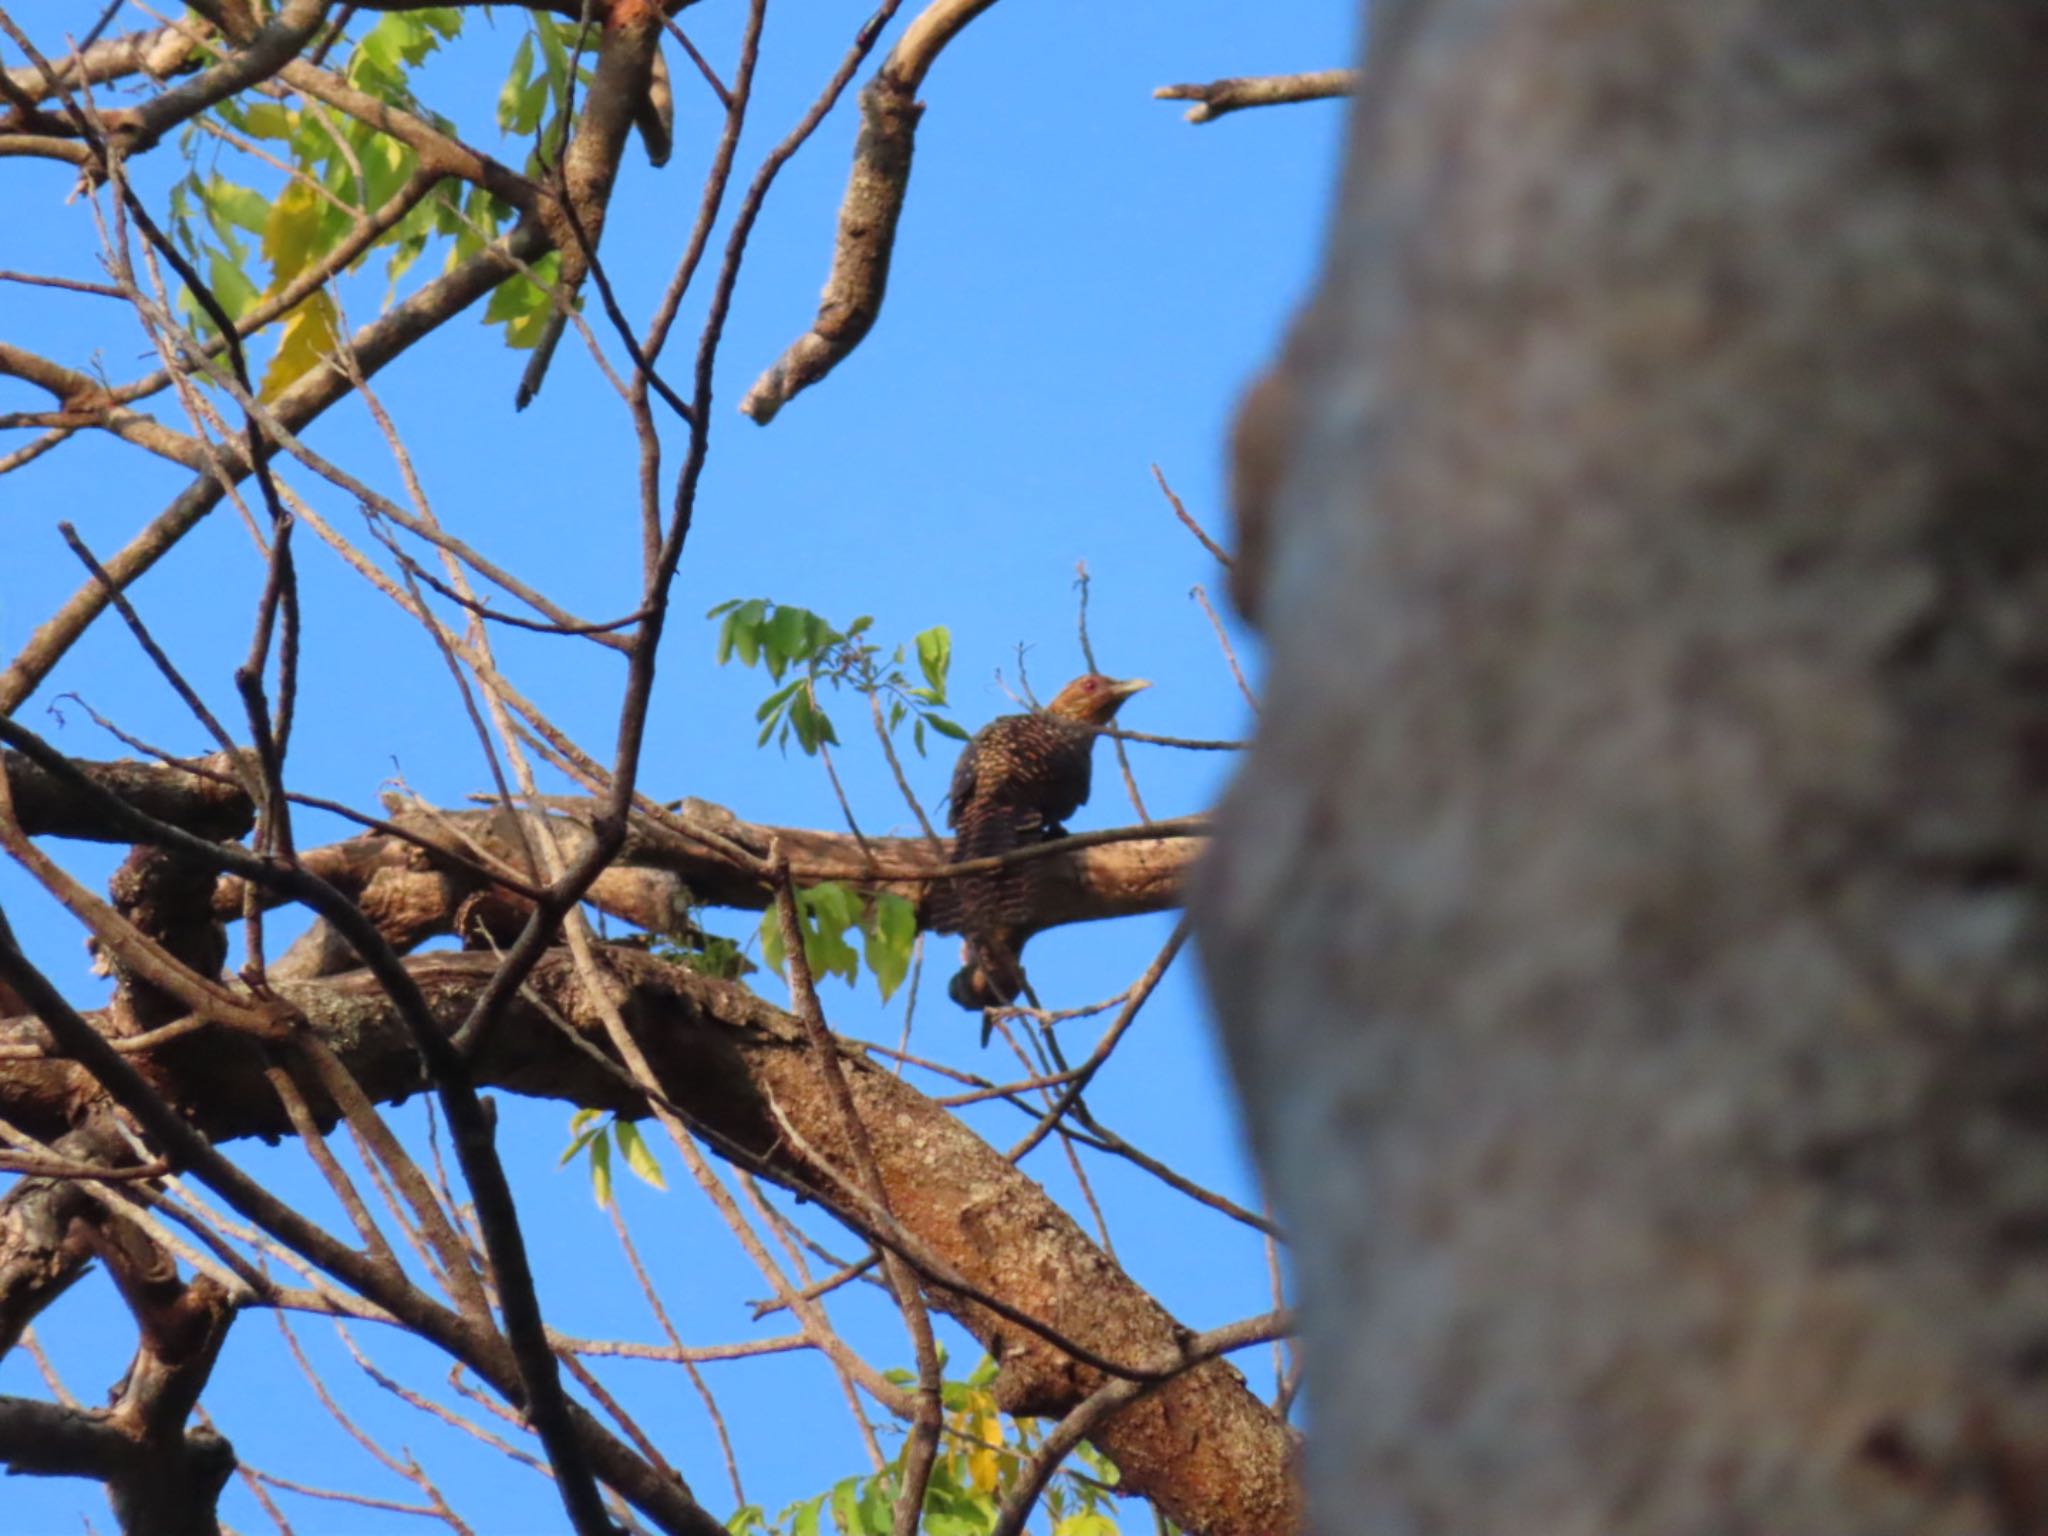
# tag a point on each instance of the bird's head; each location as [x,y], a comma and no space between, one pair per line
[1094,699]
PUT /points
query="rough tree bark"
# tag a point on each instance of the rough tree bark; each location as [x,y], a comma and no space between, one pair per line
[1630,929]
[1208,1452]
[1212,1456]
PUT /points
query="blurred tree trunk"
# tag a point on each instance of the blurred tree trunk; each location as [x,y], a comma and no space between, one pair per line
[1631,931]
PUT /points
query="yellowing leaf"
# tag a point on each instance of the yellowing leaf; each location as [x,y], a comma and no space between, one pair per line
[984,1466]
[291,235]
[308,337]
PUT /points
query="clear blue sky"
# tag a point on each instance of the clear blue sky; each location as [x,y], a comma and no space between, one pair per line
[1082,284]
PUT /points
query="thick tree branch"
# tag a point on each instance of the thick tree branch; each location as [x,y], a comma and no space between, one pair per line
[670,865]
[1214,1457]
[166,1493]
[156,52]
[209,803]
[535,1383]
[868,214]
[575,217]
[82,401]
[274,44]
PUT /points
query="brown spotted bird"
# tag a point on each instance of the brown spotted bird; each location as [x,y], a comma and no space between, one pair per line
[1016,782]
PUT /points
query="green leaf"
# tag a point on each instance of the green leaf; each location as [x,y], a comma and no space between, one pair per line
[512,97]
[407,243]
[820,636]
[825,913]
[637,1154]
[773,704]
[1100,1465]
[846,1504]
[887,938]
[521,306]
[718,956]
[387,165]
[789,634]
[963,1518]
[803,719]
[231,285]
[836,905]
[181,209]
[601,1170]
[935,658]
[552,48]
[383,46]
[830,954]
[946,727]
[269,120]
[876,1506]
[725,607]
[228,203]
[444,19]
[813,727]
[746,622]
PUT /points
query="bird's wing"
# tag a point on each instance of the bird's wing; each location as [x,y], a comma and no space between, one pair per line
[961,790]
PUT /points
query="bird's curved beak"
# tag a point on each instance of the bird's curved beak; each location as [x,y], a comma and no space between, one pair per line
[1129,686]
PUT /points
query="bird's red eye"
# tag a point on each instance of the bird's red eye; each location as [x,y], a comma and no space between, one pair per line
[1089,686]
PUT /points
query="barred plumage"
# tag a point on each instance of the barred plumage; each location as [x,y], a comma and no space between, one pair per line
[1016,782]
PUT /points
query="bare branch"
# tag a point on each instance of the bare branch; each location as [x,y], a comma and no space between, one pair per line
[973,1211]
[1218,98]
[868,213]
[374,344]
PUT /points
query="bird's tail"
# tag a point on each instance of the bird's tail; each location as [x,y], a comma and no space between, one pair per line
[991,973]
[990,909]
[973,904]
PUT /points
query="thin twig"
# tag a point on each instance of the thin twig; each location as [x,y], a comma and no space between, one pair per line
[1201,596]
[1123,758]
[921,1451]
[1140,991]
[1218,98]
[1111,1396]
[1187,521]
